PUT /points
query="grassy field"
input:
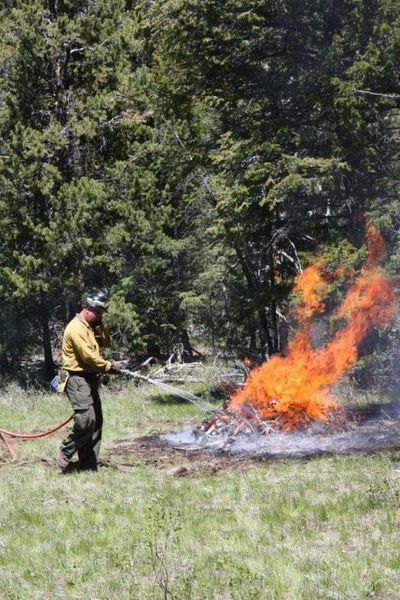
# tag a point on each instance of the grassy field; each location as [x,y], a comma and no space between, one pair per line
[170,525]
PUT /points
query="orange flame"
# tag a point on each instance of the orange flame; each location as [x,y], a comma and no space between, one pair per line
[313,288]
[294,389]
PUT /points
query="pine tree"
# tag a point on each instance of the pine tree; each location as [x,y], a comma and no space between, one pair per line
[285,152]
[70,118]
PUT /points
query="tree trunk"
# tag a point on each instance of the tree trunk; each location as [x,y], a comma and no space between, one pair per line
[186,344]
[49,365]
[253,343]
[4,363]
[265,337]
[274,320]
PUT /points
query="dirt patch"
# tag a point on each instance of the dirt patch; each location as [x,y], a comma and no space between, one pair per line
[188,463]
[125,456]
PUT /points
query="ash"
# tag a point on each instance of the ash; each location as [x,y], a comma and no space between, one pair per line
[364,429]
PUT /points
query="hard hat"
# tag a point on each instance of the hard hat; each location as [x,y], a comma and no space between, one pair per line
[96,299]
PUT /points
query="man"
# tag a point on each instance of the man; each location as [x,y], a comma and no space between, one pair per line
[83,365]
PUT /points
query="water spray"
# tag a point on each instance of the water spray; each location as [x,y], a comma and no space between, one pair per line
[206,406]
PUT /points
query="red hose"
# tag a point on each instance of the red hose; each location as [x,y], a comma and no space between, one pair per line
[38,434]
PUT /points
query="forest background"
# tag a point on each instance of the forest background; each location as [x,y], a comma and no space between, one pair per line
[192,157]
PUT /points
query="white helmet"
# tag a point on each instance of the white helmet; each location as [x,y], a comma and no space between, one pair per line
[96,299]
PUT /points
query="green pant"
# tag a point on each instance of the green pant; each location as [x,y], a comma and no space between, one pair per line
[85,436]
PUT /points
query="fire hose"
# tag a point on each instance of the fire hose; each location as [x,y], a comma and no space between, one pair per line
[6,436]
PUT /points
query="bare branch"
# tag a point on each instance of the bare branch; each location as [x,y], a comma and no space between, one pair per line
[357,91]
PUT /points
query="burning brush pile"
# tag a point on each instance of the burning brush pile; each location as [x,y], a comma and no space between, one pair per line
[292,392]
[289,399]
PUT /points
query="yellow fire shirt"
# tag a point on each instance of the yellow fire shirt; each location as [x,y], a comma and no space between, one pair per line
[81,348]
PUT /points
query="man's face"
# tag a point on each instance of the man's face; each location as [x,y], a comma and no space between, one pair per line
[98,312]
[94,315]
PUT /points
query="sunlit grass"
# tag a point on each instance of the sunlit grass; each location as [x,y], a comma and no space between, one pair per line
[323,528]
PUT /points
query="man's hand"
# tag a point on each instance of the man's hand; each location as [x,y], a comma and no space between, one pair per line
[115,369]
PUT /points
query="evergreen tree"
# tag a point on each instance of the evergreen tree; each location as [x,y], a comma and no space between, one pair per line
[286,154]
[70,117]
[190,156]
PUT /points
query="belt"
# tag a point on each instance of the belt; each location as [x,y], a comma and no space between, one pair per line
[84,374]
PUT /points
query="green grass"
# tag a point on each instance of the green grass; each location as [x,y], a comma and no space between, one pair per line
[326,528]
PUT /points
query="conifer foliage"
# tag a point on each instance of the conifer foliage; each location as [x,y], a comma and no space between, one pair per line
[189,156]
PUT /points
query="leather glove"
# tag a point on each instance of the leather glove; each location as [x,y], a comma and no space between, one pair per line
[115,369]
